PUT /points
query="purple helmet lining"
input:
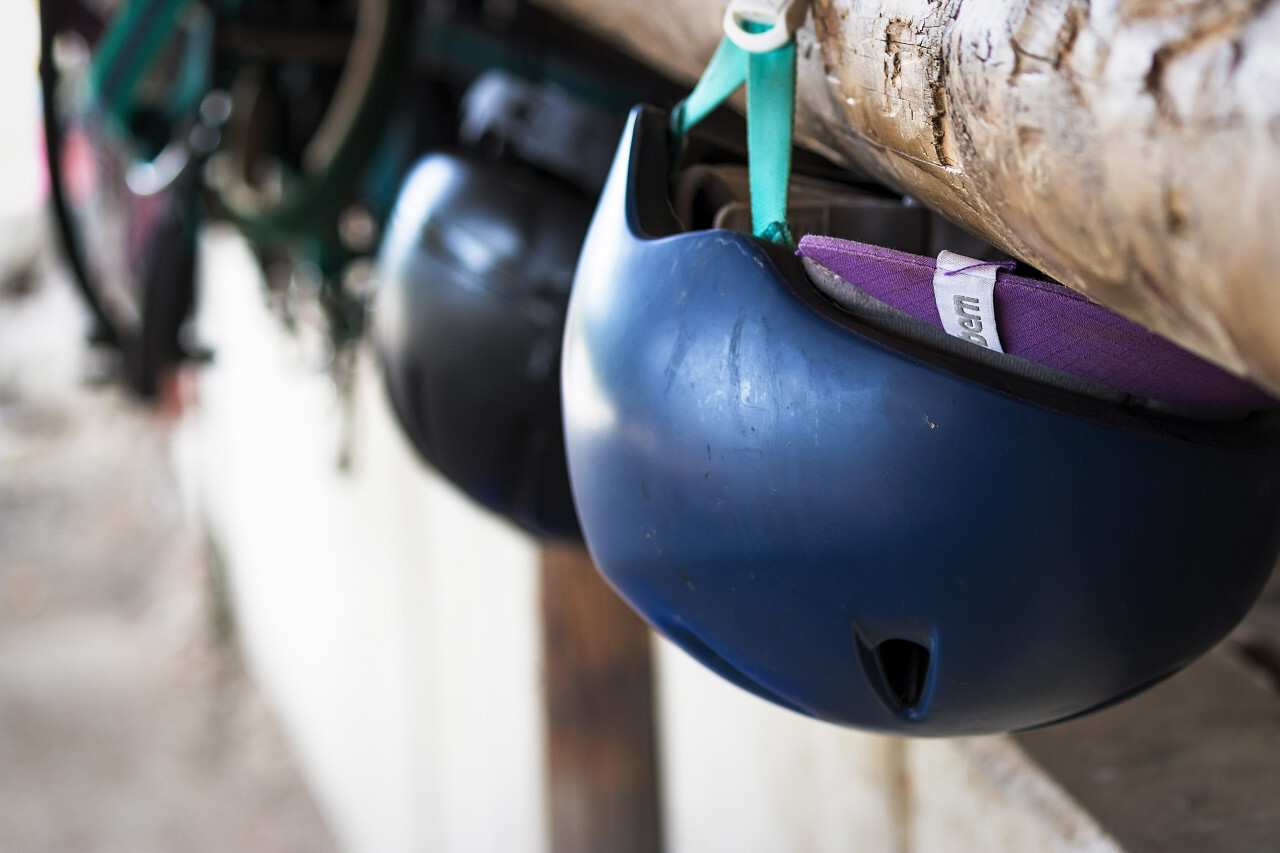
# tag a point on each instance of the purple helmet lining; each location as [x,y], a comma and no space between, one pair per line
[1052,325]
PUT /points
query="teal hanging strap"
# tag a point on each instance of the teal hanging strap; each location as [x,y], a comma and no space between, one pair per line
[726,71]
[193,78]
[771,96]
[758,49]
[131,44]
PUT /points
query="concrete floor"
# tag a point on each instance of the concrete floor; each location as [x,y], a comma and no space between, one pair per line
[127,721]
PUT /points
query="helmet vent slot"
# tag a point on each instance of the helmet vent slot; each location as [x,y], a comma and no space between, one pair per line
[904,666]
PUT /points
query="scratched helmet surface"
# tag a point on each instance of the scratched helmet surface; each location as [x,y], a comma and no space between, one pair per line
[840,508]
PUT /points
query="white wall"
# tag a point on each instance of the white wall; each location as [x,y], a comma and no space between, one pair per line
[391,624]
[21,155]
[742,774]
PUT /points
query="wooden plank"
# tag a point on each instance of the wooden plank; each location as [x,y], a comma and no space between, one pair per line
[1187,767]
[603,785]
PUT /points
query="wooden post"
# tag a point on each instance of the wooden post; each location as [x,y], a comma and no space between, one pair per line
[599,701]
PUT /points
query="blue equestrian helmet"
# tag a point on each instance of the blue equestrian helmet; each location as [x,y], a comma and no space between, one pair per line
[846,511]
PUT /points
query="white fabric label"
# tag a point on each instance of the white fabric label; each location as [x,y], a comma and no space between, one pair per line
[964,290]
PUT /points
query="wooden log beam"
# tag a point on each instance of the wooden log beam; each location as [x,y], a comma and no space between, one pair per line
[1129,148]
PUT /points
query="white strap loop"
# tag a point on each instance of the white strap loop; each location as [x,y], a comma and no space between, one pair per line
[781,17]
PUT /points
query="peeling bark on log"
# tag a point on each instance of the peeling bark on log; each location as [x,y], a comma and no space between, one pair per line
[1129,148]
